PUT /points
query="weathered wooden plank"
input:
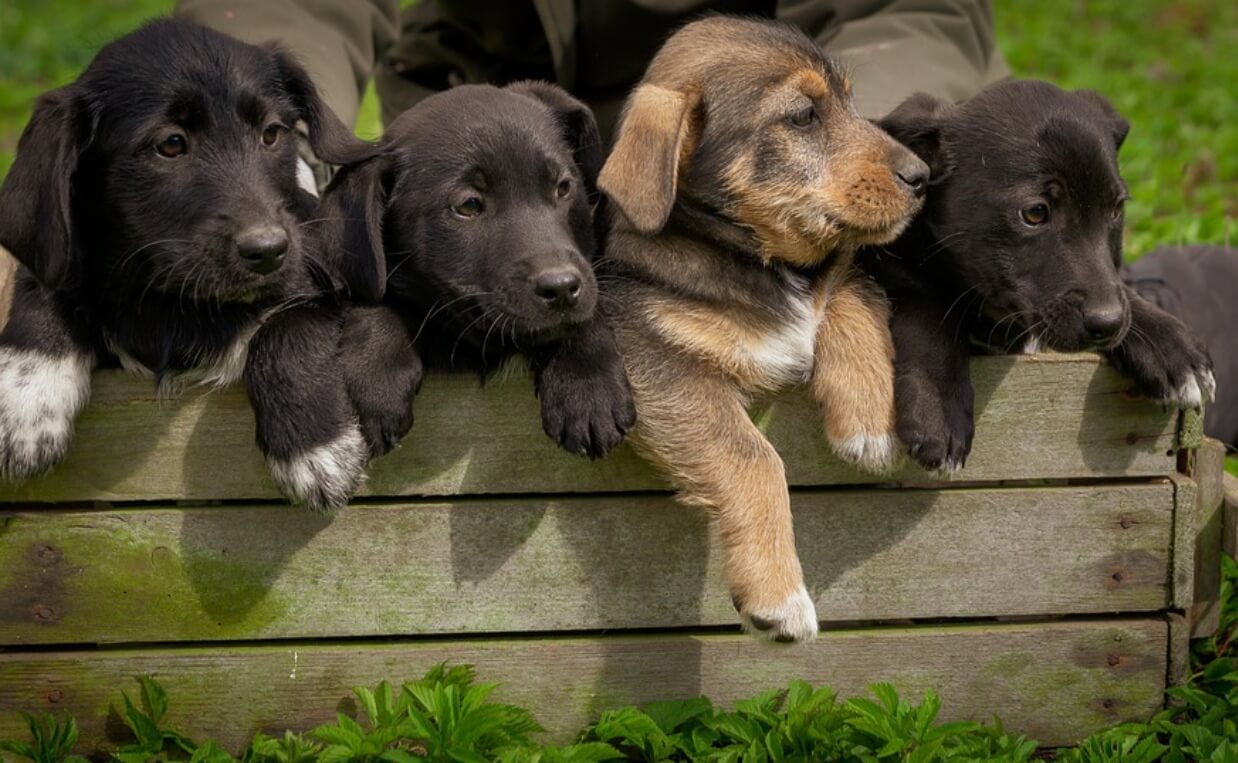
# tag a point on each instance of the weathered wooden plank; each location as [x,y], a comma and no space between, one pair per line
[1056,682]
[1207,473]
[1186,499]
[510,565]
[1048,416]
[1230,540]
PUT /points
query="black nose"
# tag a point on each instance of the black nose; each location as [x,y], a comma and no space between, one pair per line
[559,289]
[1103,323]
[262,247]
[914,175]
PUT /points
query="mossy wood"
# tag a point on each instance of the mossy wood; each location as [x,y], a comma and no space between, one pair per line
[526,565]
[1054,681]
[1055,581]
[1044,417]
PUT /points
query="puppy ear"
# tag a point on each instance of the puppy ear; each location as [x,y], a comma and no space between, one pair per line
[917,124]
[351,233]
[329,137]
[578,124]
[642,173]
[1118,125]
[35,201]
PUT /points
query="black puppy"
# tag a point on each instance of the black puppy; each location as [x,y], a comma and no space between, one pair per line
[155,210]
[1017,249]
[483,199]
[1197,285]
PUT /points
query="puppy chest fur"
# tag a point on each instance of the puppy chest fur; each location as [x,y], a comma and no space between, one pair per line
[763,347]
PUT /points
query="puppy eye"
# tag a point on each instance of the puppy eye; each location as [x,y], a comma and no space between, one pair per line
[1037,214]
[1119,208]
[564,188]
[470,207]
[804,117]
[270,136]
[173,146]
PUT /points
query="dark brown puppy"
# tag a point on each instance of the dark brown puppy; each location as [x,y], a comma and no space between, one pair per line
[743,181]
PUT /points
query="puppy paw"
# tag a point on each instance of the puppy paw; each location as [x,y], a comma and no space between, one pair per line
[587,414]
[793,620]
[1167,365]
[872,452]
[941,446]
[325,477]
[40,396]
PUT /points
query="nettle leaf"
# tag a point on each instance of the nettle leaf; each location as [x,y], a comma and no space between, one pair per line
[148,734]
[154,699]
[210,753]
[19,748]
[336,753]
[669,715]
[339,735]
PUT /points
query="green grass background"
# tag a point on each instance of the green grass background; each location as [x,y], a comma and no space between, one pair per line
[1170,66]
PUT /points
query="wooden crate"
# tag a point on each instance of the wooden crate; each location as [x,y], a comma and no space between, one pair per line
[1053,582]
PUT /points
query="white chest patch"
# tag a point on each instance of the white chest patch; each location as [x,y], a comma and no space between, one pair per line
[785,355]
[40,396]
[218,371]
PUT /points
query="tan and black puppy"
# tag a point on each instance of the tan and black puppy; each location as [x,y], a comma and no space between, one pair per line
[742,181]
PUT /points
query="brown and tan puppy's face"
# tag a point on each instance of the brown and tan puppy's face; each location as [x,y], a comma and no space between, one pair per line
[751,121]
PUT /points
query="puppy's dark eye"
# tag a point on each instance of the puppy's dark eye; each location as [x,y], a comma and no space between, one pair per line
[270,136]
[1037,214]
[470,207]
[564,188]
[173,146]
[804,117]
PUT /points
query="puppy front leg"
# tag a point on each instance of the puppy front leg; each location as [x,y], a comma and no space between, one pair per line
[585,397]
[853,372]
[697,429]
[46,357]
[1164,360]
[306,428]
[382,373]
[933,394]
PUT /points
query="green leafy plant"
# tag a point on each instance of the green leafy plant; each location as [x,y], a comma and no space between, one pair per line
[51,740]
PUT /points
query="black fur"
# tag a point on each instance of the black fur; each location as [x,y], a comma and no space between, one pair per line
[155,209]
[481,197]
[976,268]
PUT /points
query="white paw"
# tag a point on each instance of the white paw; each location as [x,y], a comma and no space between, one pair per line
[40,396]
[325,477]
[1199,388]
[873,452]
[792,621]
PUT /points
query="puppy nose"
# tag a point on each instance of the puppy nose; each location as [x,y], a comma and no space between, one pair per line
[1103,323]
[915,175]
[262,248]
[559,289]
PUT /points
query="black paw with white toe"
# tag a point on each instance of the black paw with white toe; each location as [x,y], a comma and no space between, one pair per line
[325,477]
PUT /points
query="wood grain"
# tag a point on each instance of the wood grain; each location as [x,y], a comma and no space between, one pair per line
[1230,541]
[519,565]
[1207,472]
[1039,417]
[1056,682]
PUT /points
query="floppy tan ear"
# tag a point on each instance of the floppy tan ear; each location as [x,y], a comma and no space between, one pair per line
[641,174]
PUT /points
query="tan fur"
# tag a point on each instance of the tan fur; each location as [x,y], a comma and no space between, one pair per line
[853,379]
[696,427]
[647,156]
